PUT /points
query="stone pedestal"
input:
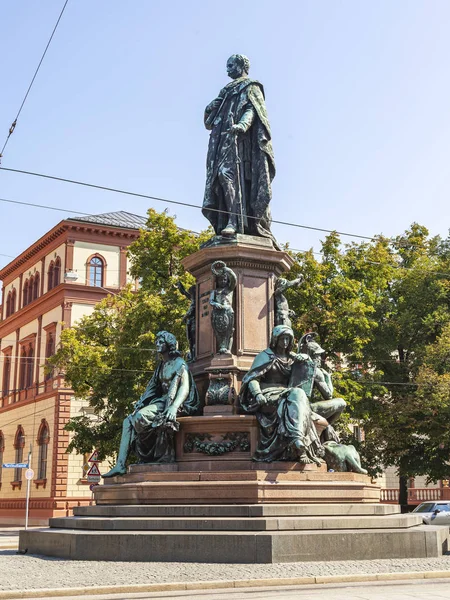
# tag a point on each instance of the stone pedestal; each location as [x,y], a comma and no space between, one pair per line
[257,265]
[275,533]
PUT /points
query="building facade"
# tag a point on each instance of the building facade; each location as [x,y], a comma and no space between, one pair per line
[38,301]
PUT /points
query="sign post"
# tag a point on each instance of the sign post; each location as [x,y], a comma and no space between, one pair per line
[29,474]
[93,475]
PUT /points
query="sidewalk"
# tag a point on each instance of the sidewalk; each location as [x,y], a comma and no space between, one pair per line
[9,537]
[31,576]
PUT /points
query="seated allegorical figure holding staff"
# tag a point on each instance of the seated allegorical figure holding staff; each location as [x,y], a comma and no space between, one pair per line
[149,430]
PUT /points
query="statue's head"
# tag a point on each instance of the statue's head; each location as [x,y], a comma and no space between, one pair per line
[237,66]
[219,270]
[280,283]
[308,346]
[282,335]
[166,342]
[222,280]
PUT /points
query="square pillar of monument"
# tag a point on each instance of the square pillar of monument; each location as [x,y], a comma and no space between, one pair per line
[257,265]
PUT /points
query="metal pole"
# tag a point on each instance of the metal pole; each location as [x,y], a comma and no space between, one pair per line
[27,503]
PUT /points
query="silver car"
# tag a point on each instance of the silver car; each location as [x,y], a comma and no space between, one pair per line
[434,513]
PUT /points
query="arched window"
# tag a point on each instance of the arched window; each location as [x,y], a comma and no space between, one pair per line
[36,287]
[6,376]
[25,293]
[13,301]
[30,289]
[22,369]
[8,305]
[49,351]
[96,271]
[19,444]
[2,450]
[57,272]
[29,370]
[50,274]
[42,441]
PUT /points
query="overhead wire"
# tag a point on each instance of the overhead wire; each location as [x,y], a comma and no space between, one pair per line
[168,201]
[159,199]
[14,123]
[381,383]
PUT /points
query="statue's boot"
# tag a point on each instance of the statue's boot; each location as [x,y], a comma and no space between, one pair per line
[230,229]
[124,449]
[302,456]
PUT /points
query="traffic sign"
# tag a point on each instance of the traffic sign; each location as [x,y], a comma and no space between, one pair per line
[92,486]
[15,465]
[29,474]
[94,457]
[93,475]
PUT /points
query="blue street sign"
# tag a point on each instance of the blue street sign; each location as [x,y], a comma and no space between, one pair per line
[15,465]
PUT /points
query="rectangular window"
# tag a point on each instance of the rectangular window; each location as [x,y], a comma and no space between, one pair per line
[357,433]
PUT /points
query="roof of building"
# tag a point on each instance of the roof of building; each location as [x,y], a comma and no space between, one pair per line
[121,220]
[115,219]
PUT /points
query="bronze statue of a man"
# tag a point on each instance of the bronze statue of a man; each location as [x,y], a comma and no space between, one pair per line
[240,164]
[149,430]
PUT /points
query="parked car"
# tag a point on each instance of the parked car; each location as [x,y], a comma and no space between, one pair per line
[434,513]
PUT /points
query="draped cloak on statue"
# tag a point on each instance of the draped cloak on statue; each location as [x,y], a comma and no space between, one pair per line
[152,434]
[242,100]
[284,418]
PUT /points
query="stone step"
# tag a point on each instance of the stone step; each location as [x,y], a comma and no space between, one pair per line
[235,510]
[235,524]
[354,489]
[422,541]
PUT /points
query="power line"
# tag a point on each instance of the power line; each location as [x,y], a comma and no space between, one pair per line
[158,199]
[45,206]
[14,123]
[384,383]
[176,202]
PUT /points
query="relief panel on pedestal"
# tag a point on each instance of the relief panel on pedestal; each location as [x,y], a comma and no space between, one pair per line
[256,313]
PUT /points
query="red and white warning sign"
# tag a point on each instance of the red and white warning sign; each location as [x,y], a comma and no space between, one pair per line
[94,457]
[93,475]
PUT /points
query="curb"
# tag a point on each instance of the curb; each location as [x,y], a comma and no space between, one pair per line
[224,584]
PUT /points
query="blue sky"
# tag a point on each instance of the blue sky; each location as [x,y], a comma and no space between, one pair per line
[358,96]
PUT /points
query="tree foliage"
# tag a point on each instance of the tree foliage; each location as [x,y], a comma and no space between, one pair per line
[382,311]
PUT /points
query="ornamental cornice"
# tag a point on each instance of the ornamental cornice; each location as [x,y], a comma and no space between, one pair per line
[75,230]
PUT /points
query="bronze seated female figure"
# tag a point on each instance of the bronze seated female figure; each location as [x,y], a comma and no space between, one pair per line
[283,410]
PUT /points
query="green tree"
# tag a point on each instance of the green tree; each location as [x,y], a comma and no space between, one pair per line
[379,307]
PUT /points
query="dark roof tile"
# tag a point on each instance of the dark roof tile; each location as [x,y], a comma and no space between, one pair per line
[115,219]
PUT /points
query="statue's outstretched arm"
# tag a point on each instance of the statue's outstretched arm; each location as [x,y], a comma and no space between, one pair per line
[294,282]
[183,290]
[231,278]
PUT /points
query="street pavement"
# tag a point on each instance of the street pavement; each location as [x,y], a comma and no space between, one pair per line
[437,589]
[28,576]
